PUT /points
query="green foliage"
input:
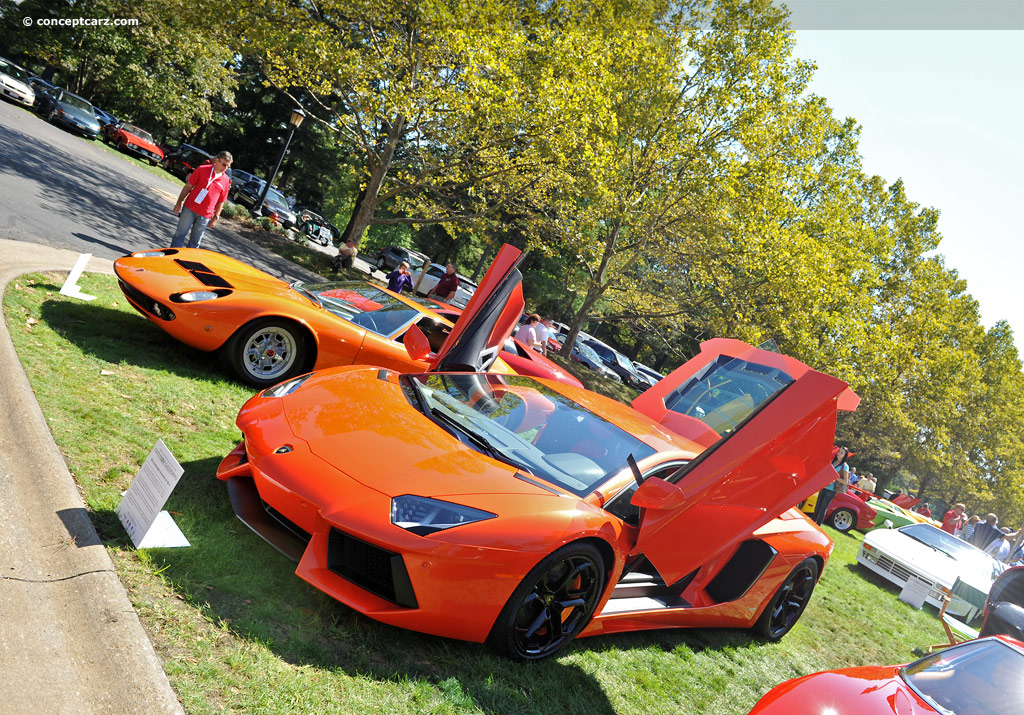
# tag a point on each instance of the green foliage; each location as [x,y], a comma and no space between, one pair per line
[162,72]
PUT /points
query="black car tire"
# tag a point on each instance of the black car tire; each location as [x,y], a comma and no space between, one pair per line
[552,604]
[120,145]
[251,351]
[789,601]
[842,520]
[51,115]
[381,263]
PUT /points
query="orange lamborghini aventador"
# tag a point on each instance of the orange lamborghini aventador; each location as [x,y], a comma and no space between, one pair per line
[523,512]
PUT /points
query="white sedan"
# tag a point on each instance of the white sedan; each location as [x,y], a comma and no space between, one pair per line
[931,555]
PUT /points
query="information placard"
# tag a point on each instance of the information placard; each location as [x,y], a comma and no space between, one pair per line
[71,287]
[140,510]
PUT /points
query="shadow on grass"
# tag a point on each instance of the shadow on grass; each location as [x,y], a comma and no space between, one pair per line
[118,337]
[234,579]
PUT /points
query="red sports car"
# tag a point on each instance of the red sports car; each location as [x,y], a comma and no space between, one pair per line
[129,139]
[524,512]
[981,677]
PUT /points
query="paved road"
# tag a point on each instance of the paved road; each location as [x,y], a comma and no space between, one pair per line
[62,191]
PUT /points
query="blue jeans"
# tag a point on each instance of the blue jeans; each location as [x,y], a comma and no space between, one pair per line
[189,220]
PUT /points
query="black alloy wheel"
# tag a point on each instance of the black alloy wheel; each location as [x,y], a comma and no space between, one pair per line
[783,611]
[554,602]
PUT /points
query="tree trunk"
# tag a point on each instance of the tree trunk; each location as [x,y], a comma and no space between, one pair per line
[366,203]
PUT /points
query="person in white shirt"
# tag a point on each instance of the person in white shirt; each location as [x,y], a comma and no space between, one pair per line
[543,330]
[527,333]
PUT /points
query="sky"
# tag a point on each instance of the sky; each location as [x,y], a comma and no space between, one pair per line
[944,111]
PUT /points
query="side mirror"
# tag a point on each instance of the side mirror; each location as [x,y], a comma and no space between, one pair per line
[656,493]
[416,343]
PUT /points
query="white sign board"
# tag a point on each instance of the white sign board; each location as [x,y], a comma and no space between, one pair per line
[140,510]
[71,287]
[915,592]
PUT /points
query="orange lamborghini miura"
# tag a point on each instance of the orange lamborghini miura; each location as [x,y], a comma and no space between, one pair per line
[523,512]
[267,330]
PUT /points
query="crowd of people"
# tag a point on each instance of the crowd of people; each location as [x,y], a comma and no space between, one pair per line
[985,534]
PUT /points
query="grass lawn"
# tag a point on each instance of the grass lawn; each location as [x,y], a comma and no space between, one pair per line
[238,631]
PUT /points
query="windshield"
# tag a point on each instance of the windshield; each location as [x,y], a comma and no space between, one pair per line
[524,423]
[275,197]
[726,392]
[140,133]
[12,71]
[953,547]
[76,102]
[363,304]
[588,352]
[985,676]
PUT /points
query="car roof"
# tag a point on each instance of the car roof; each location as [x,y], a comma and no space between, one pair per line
[189,147]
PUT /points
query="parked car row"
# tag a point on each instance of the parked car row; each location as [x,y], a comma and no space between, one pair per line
[274,205]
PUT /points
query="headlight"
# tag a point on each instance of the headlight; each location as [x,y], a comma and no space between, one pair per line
[149,254]
[197,295]
[423,516]
[287,388]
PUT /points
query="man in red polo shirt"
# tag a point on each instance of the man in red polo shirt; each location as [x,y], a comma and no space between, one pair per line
[201,199]
[953,518]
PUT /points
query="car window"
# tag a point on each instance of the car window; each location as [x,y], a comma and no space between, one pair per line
[12,71]
[76,102]
[364,305]
[726,392]
[978,676]
[275,196]
[140,133]
[529,425]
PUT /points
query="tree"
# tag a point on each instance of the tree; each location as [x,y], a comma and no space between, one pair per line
[446,105]
[162,72]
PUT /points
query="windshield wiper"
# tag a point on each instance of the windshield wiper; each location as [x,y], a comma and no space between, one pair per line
[440,416]
[933,546]
[312,296]
[478,439]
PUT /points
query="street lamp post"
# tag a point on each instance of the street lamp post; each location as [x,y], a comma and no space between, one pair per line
[294,121]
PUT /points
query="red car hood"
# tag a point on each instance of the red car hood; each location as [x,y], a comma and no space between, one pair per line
[359,417]
[139,141]
[871,690]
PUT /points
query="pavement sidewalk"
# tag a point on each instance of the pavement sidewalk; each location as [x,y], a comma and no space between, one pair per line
[70,641]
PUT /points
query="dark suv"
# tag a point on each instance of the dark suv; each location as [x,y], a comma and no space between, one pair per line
[391,257]
[184,159]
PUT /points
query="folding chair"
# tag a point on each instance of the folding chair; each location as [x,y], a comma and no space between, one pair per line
[957,629]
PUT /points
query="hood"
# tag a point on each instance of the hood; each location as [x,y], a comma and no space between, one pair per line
[16,84]
[935,565]
[85,117]
[340,411]
[145,144]
[852,691]
[185,269]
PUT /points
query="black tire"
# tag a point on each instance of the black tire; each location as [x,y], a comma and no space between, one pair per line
[266,351]
[789,601]
[380,263]
[554,602]
[842,520]
[51,115]
[120,145]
